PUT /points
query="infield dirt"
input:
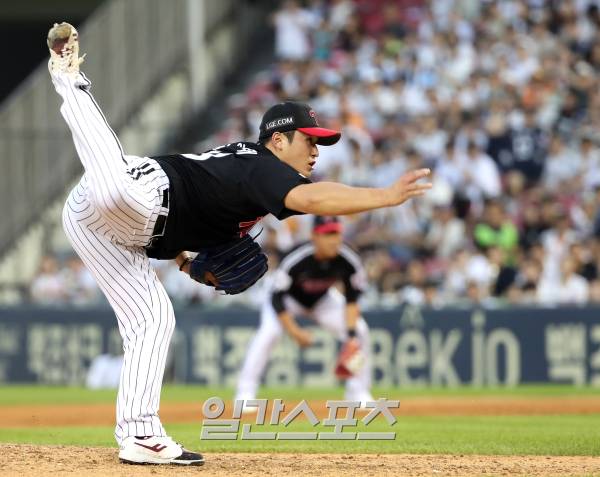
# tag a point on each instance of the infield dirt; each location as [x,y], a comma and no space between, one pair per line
[29,461]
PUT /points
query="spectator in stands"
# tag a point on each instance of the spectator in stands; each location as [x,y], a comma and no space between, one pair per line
[597,217]
[583,256]
[531,227]
[496,230]
[455,279]
[529,145]
[449,167]
[413,291]
[340,13]
[556,244]
[430,141]
[594,292]
[433,298]
[322,40]
[482,179]
[504,271]
[570,289]
[523,290]
[292,31]
[48,288]
[446,233]
[590,163]
[80,287]
[562,165]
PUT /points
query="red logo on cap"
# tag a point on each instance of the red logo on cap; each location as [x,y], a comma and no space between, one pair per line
[313,115]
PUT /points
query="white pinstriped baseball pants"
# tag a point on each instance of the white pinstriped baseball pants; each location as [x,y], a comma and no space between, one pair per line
[108,217]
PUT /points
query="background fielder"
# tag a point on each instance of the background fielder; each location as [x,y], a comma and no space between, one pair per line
[305,284]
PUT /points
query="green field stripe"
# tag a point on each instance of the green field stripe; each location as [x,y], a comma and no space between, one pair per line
[78,436]
[505,435]
[12,395]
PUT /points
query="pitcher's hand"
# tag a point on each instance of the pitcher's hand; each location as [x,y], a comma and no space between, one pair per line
[407,187]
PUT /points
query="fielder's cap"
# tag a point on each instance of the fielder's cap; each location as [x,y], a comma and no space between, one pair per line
[327,225]
[290,116]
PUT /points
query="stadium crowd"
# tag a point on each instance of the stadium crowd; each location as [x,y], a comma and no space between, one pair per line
[501,99]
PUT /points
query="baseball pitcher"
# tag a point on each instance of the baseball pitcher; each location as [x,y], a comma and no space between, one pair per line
[127,208]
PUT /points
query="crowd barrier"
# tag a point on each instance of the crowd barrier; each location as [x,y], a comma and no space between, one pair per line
[410,347]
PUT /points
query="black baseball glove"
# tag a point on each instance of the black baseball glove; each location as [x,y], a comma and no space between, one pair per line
[232,267]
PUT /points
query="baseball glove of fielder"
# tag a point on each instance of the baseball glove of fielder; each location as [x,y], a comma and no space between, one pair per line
[350,360]
[232,267]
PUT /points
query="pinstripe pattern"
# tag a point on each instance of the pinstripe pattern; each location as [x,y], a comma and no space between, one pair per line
[128,205]
[109,217]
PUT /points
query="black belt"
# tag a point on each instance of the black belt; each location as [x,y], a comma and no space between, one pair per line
[161,220]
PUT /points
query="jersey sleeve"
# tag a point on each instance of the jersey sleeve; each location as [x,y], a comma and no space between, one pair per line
[355,280]
[268,183]
[282,282]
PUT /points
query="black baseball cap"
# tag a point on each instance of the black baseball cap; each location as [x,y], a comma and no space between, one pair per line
[292,115]
[327,225]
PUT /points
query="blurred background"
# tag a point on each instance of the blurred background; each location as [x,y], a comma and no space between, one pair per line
[498,264]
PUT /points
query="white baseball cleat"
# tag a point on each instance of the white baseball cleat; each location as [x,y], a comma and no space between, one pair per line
[156,450]
[63,44]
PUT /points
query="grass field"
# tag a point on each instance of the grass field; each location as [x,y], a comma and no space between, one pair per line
[492,435]
[13,394]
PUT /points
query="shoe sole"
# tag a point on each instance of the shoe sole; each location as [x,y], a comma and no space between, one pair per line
[168,462]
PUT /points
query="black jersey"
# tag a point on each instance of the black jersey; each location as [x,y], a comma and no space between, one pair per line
[307,279]
[221,194]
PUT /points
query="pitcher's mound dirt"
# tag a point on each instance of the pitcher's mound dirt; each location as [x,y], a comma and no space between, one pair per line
[30,461]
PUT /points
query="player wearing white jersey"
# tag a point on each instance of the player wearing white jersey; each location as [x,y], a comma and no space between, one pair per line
[305,284]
